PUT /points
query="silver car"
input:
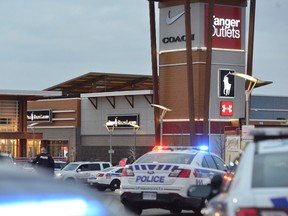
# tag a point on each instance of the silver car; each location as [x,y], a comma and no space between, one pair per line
[80,171]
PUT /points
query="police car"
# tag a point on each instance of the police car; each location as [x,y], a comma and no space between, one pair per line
[107,178]
[161,178]
[260,184]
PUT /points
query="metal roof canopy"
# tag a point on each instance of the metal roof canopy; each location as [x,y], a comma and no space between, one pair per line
[28,95]
[94,82]
[110,96]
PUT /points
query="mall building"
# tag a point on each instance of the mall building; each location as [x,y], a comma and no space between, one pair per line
[75,120]
[102,116]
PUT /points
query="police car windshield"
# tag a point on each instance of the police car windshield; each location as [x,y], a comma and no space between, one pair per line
[177,158]
[267,167]
[70,166]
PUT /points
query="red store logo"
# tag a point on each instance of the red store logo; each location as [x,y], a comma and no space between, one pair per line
[226,108]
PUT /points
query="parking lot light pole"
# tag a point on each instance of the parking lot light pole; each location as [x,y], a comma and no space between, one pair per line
[164,110]
[135,129]
[110,127]
[253,83]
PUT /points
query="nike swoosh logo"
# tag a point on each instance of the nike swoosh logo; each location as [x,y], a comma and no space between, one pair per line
[170,20]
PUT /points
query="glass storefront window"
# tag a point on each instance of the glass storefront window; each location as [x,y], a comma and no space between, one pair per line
[58,148]
[33,148]
[8,116]
[9,146]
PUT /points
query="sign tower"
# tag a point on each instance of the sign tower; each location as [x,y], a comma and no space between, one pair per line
[200,44]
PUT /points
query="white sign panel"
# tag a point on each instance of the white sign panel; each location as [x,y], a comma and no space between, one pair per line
[246,135]
[232,143]
[172,27]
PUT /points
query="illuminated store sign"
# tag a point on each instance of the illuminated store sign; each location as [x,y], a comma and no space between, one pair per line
[123,121]
[226,108]
[226,83]
[226,27]
[39,115]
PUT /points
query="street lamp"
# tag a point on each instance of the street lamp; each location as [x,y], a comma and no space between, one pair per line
[135,129]
[253,83]
[32,127]
[164,110]
[110,125]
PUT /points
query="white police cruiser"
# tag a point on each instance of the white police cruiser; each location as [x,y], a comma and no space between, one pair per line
[107,178]
[161,178]
[260,184]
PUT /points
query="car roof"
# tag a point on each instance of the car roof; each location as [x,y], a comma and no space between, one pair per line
[88,162]
[5,154]
[59,161]
[269,133]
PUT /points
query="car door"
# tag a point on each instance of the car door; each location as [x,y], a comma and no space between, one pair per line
[82,173]
[211,168]
[94,169]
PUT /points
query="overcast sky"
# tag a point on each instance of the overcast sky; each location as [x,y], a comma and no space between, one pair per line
[46,42]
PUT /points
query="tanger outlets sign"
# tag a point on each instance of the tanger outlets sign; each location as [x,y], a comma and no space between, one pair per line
[39,115]
[123,121]
[226,27]
[226,83]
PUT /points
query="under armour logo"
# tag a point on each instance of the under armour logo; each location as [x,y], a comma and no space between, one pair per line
[226,108]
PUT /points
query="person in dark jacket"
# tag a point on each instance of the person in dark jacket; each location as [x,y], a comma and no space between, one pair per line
[44,163]
[130,160]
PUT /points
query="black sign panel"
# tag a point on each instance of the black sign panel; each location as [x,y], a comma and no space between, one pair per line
[226,83]
[123,121]
[39,115]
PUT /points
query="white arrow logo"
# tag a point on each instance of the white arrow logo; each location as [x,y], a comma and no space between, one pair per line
[170,20]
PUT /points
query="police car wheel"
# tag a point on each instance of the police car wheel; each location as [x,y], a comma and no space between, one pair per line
[100,188]
[115,184]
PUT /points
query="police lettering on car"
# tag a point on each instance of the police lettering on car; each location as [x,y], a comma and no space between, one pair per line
[150,179]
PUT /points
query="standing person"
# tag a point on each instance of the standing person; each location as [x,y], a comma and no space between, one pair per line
[122,162]
[130,159]
[44,163]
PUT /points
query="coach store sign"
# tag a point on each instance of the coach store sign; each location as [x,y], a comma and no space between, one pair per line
[123,121]
[39,115]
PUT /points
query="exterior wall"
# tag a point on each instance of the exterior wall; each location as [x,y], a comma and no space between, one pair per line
[65,124]
[95,138]
[269,108]
[62,134]
[231,60]
[66,112]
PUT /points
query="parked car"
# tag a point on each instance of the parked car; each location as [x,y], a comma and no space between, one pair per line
[59,165]
[161,178]
[80,171]
[6,159]
[107,178]
[260,183]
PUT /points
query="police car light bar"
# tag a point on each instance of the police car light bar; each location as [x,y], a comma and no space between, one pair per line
[171,148]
